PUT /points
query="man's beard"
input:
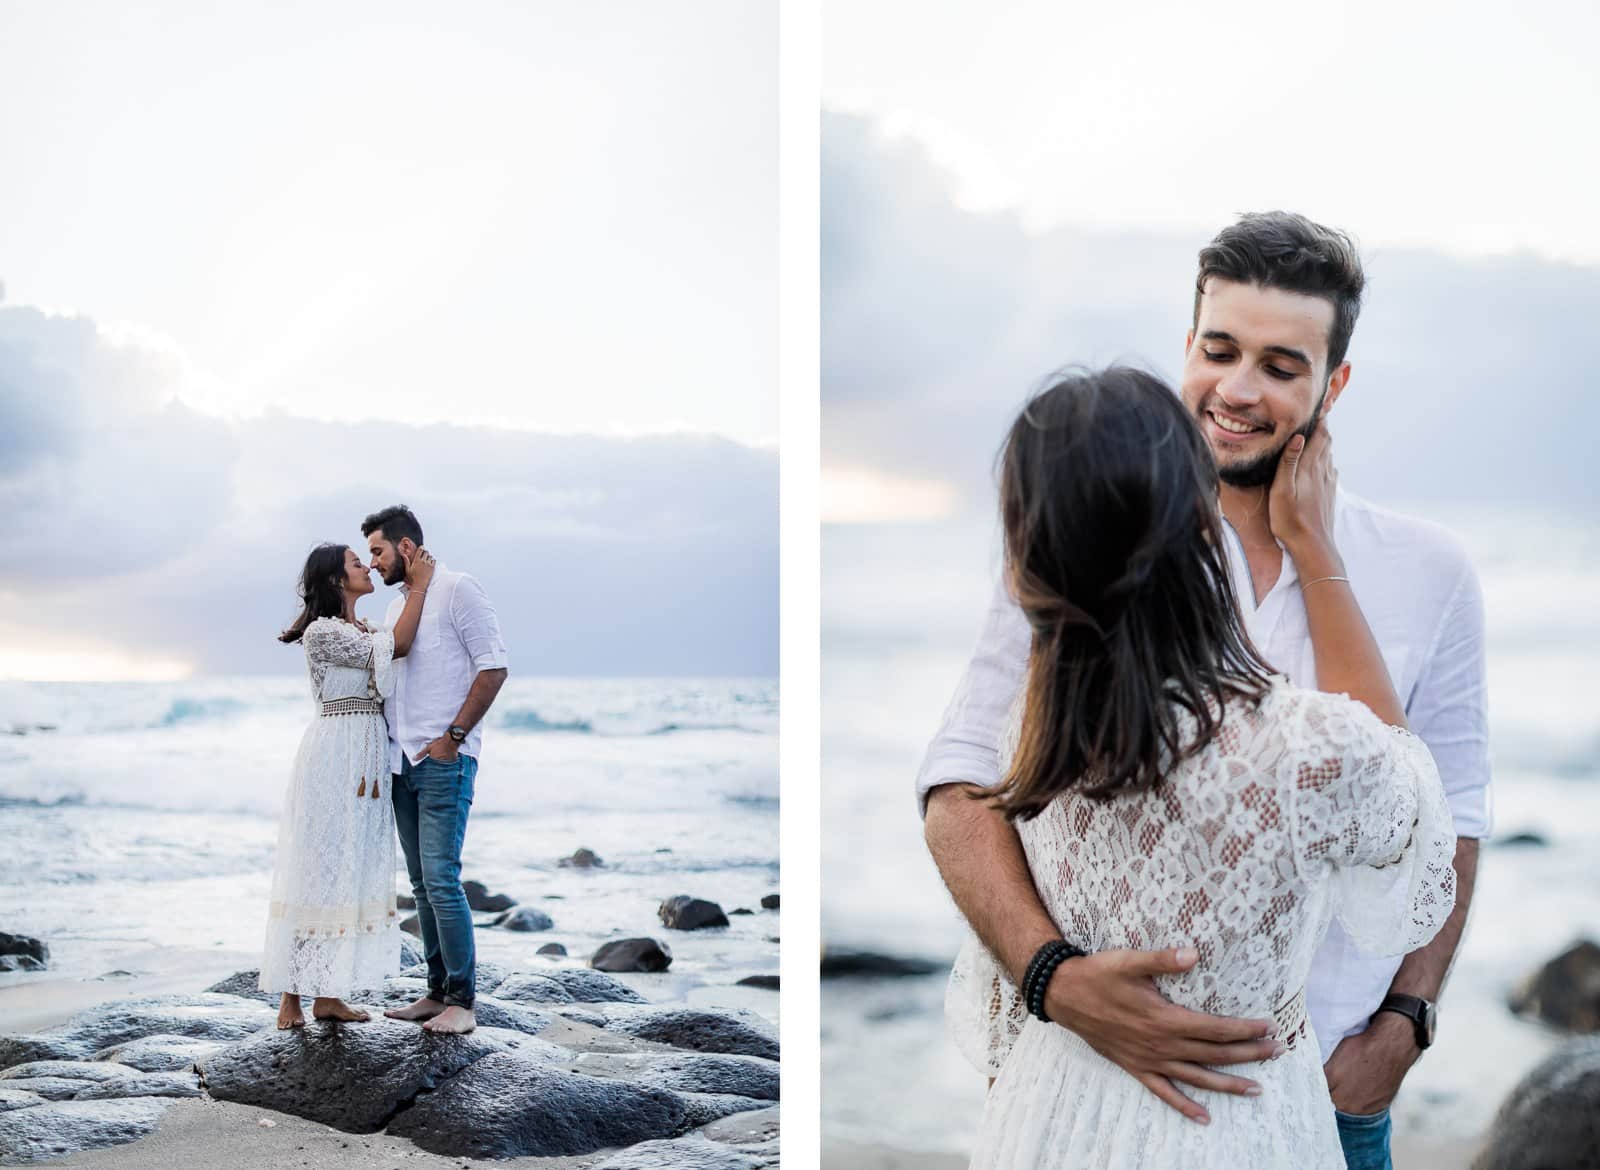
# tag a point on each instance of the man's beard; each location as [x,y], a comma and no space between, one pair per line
[398,573]
[1260,471]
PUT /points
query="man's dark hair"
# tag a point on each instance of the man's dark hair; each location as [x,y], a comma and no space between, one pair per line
[1279,249]
[397,523]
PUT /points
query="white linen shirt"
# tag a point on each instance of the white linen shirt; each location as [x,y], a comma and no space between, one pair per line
[1421,599]
[458,636]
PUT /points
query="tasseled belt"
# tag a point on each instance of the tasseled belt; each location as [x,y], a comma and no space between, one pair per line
[358,706]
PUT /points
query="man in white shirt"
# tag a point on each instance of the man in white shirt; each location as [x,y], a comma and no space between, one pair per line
[1276,300]
[443,689]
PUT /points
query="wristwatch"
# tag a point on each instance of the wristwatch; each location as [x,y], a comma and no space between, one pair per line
[1423,1015]
[456,732]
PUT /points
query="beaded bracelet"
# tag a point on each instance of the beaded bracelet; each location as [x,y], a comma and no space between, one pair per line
[1041,969]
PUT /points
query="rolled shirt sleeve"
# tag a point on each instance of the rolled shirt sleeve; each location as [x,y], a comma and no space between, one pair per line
[966,749]
[479,629]
[1450,708]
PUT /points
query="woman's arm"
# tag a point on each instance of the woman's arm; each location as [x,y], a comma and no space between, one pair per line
[419,574]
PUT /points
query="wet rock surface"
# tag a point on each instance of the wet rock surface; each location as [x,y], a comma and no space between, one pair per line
[533,989]
[21,946]
[841,962]
[18,1099]
[582,859]
[1565,992]
[769,982]
[552,949]
[587,986]
[1552,1117]
[525,918]
[769,901]
[698,1030]
[159,1053]
[688,1153]
[56,1128]
[686,913]
[631,954]
[511,1107]
[160,1084]
[479,897]
[246,985]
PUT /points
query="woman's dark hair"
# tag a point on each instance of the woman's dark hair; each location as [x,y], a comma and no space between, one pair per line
[321,589]
[1279,249]
[1108,494]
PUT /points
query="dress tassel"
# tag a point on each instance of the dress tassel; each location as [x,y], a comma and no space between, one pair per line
[374,790]
[362,791]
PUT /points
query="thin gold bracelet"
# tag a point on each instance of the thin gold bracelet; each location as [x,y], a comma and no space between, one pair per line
[1319,580]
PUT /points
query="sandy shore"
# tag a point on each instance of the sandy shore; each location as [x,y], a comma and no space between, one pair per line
[38,1002]
[1408,1153]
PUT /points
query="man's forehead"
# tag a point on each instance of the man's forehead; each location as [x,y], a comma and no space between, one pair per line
[1266,316]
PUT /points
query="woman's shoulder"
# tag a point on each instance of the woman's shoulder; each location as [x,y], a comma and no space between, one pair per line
[1326,719]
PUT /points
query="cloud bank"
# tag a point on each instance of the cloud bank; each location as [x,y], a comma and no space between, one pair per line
[133,523]
[1470,376]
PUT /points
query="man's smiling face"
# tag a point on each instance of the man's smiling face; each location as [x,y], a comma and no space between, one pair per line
[1255,374]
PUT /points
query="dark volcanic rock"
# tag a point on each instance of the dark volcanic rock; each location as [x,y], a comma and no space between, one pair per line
[533,989]
[701,1031]
[410,951]
[411,926]
[769,901]
[479,897]
[838,962]
[740,912]
[1523,840]
[64,1127]
[552,949]
[1552,1117]
[51,1088]
[704,1108]
[18,1099]
[15,1050]
[686,913]
[744,1076]
[525,918]
[1565,991]
[246,985]
[582,859]
[505,1106]
[20,963]
[76,1069]
[159,1053]
[404,902]
[21,944]
[354,1077]
[161,1084]
[205,1016]
[588,986]
[770,982]
[686,1153]
[632,954]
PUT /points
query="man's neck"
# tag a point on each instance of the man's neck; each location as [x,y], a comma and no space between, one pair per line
[1246,510]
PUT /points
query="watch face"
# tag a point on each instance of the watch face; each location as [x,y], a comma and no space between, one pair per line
[1430,1020]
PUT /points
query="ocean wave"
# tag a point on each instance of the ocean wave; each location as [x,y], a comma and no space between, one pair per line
[532,722]
[186,710]
[670,728]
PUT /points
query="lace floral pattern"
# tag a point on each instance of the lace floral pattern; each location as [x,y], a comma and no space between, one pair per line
[1303,807]
[331,922]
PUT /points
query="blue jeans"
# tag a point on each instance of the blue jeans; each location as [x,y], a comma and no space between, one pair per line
[431,800]
[1365,1138]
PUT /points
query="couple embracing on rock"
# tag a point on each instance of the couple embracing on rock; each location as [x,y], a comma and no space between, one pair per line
[394,746]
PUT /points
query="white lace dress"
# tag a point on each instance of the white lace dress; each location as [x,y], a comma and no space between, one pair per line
[331,924]
[1303,808]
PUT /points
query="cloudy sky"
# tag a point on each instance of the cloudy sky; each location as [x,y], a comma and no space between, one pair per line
[267,268]
[1009,189]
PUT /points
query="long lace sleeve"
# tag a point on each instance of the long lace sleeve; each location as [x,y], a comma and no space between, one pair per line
[383,668]
[983,1010]
[1369,802]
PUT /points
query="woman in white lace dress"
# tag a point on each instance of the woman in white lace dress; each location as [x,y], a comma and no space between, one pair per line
[1170,792]
[331,924]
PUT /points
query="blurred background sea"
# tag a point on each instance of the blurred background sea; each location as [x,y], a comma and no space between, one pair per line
[139,819]
[901,609]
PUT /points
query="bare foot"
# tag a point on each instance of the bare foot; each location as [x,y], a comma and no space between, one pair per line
[289,1013]
[455,1020]
[329,1008]
[423,1009]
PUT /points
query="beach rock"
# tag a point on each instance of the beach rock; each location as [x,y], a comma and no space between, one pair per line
[75,1069]
[57,1128]
[704,1108]
[740,912]
[552,949]
[159,1053]
[411,926]
[839,962]
[22,945]
[1565,992]
[687,1153]
[686,913]
[747,1129]
[51,1088]
[18,1099]
[698,1030]
[20,963]
[354,1077]
[582,859]
[411,951]
[769,901]
[15,1050]
[769,982]
[743,1076]
[506,1106]
[587,986]
[525,918]
[632,954]
[204,1017]
[1552,1117]
[161,1084]
[404,902]
[479,897]
[1523,840]
[246,985]
[533,989]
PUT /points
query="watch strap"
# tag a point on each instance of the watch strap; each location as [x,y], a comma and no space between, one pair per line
[1415,1009]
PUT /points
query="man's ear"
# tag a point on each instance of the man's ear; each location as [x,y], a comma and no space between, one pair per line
[406,547]
[1188,342]
[1336,384]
